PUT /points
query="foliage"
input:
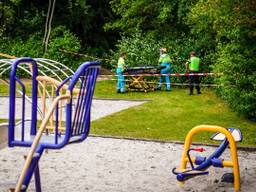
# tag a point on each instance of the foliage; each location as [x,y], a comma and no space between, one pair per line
[141,51]
[85,19]
[30,47]
[230,28]
[63,39]
[221,32]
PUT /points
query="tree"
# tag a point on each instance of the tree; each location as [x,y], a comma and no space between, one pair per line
[229,26]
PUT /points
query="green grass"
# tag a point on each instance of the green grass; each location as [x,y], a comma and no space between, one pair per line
[3,120]
[169,115]
[4,88]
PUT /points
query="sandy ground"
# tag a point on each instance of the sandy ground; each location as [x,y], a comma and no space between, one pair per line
[120,165]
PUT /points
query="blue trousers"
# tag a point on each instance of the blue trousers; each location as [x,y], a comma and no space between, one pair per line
[165,78]
[120,80]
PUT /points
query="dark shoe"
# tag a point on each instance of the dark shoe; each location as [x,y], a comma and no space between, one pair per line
[158,88]
[191,94]
[168,90]
[118,91]
[199,92]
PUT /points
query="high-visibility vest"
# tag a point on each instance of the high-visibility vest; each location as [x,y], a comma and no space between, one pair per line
[164,59]
[121,63]
[194,64]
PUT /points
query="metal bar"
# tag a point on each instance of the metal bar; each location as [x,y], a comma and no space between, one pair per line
[37,179]
[86,93]
[78,107]
[37,139]
[23,108]
[48,61]
[86,116]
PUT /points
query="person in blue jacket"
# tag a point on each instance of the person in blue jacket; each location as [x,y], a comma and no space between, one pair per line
[119,72]
[164,61]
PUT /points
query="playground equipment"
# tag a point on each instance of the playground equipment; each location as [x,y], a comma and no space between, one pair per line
[229,137]
[76,99]
[50,75]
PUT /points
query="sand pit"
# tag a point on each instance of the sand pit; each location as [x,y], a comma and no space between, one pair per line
[114,165]
[118,165]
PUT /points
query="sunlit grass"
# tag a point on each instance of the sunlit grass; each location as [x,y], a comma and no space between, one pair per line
[167,116]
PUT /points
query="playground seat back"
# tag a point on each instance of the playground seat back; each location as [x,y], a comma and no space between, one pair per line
[236,133]
[77,107]
[78,117]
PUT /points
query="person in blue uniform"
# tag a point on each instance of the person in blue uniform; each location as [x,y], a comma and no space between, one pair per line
[164,61]
[120,87]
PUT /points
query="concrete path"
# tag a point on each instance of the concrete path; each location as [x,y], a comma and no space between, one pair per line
[100,107]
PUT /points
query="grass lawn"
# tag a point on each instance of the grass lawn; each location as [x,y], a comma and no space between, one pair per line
[167,116]
[3,120]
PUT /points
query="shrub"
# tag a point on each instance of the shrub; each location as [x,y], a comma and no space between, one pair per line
[144,50]
[238,79]
[63,39]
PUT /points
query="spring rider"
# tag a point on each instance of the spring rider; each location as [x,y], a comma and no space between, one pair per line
[199,164]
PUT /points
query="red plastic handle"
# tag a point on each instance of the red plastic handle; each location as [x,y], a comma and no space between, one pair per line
[198,149]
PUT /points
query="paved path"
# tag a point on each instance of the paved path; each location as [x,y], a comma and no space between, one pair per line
[100,108]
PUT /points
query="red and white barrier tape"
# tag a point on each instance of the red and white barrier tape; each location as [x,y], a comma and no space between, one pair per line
[178,84]
[172,74]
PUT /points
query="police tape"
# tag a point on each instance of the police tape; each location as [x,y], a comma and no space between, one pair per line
[174,84]
[171,74]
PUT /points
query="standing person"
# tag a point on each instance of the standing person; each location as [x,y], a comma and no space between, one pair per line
[119,72]
[165,62]
[193,66]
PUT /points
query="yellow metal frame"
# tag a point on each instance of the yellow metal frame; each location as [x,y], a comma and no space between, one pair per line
[50,85]
[140,83]
[232,144]
[7,56]
[38,136]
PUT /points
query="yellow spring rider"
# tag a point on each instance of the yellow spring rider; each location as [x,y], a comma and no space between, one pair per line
[199,164]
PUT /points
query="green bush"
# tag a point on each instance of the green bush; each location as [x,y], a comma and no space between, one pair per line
[238,79]
[143,50]
[62,39]
[31,47]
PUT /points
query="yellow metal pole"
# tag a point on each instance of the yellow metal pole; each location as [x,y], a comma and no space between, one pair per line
[44,99]
[52,98]
[60,114]
[232,145]
[37,139]
[7,56]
